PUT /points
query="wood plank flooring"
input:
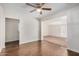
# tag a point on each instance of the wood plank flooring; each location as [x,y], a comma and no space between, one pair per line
[50,46]
[37,48]
[72,53]
[56,40]
[12,44]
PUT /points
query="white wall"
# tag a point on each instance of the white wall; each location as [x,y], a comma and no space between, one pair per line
[2,28]
[72,26]
[11,32]
[44,29]
[28,25]
[73,29]
[55,27]
[54,30]
[28,29]
[58,30]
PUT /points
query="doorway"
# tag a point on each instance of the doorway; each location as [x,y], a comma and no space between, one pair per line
[55,31]
[11,32]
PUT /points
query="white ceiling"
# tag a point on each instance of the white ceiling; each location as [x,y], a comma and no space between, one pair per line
[57,21]
[56,7]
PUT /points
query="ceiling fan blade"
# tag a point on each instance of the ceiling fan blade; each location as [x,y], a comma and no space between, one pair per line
[30,5]
[33,10]
[46,9]
[42,4]
[37,3]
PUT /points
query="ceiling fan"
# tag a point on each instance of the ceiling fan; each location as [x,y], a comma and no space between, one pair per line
[38,7]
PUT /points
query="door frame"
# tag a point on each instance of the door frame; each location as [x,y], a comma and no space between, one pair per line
[18,27]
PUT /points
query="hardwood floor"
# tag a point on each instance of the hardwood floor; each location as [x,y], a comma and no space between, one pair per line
[56,40]
[50,46]
[73,53]
[11,44]
[37,48]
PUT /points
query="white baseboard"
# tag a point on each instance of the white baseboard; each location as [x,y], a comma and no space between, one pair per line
[28,41]
[73,50]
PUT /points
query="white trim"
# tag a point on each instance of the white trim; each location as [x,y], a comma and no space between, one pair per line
[27,41]
[73,50]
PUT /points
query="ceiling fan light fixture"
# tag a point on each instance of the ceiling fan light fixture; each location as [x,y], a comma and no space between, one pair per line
[39,7]
[39,10]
